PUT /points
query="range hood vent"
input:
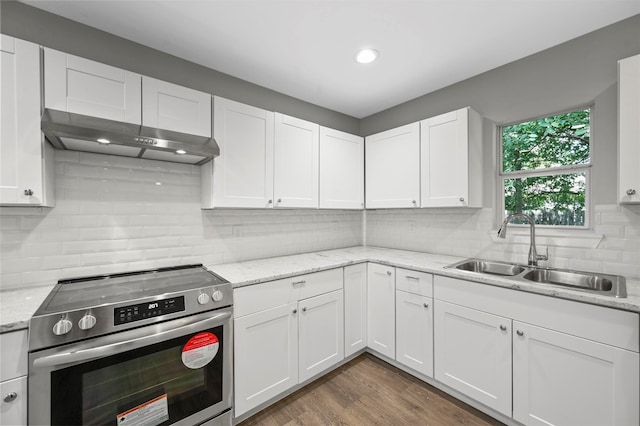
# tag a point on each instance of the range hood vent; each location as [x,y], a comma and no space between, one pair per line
[91,134]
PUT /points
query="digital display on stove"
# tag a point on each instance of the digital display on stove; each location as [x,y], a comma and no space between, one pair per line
[142,311]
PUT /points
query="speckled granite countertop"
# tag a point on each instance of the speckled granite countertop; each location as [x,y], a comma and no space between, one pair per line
[17,306]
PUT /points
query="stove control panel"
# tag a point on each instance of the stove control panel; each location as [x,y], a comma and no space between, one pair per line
[142,311]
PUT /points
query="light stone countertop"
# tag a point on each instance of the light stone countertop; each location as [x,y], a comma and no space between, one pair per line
[17,306]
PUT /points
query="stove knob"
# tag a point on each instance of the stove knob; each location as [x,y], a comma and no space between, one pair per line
[63,326]
[217,296]
[203,298]
[87,322]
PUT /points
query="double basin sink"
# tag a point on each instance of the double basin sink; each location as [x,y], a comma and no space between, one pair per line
[603,284]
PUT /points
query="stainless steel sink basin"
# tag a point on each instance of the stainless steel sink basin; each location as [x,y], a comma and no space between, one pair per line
[599,283]
[489,267]
[602,284]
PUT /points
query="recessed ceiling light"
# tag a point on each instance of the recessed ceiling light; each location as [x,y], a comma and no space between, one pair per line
[104,141]
[181,152]
[366,56]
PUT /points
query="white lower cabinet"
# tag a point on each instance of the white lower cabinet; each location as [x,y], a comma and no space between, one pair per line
[355,308]
[559,379]
[537,359]
[473,354]
[321,333]
[414,332]
[381,306]
[13,378]
[266,355]
[285,332]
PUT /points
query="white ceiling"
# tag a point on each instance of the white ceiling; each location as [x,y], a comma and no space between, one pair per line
[305,48]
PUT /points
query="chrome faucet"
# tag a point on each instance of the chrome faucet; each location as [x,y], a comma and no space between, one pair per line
[533,254]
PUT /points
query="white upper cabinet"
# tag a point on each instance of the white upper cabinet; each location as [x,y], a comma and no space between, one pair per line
[177,108]
[451,160]
[629,130]
[393,168]
[81,86]
[341,170]
[26,160]
[296,162]
[242,176]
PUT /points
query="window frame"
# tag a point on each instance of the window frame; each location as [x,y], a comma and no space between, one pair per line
[550,171]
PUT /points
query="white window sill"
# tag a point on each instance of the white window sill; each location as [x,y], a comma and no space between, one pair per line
[583,238]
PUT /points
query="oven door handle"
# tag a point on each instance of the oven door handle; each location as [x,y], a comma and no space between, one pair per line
[101,351]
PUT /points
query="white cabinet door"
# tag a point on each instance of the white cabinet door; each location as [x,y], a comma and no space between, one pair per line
[24,178]
[560,379]
[242,176]
[393,168]
[176,108]
[86,87]
[473,354]
[266,355]
[355,308]
[341,170]
[451,160]
[414,332]
[629,130]
[13,405]
[381,317]
[321,333]
[296,162]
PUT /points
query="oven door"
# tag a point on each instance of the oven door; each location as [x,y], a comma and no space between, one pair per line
[175,372]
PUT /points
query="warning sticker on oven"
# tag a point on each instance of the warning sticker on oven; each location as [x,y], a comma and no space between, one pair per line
[200,350]
[151,413]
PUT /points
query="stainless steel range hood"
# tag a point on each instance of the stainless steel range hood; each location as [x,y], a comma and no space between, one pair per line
[78,132]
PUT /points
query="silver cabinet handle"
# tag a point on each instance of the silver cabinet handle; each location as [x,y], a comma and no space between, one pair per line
[298,282]
[388,272]
[279,200]
[462,199]
[295,311]
[304,309]
[520,333]
[270,202]
[414,202]
[503,327]
[10,397]
[426,305]
[409,277]
[28,192]
[631,192]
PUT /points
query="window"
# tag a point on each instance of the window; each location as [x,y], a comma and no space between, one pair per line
[545,169]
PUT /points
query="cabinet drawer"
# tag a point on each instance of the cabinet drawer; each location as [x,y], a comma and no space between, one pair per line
[268,295]
[414,282]
[13,351]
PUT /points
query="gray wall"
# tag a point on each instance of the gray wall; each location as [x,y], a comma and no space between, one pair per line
[46,29]
[579,72]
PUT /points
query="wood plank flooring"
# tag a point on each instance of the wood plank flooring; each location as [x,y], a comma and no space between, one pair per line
[368,391]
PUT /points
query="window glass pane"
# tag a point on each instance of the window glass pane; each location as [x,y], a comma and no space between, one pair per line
[560,140]
[550,200]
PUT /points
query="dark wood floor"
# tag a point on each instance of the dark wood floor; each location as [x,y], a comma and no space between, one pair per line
[368,391]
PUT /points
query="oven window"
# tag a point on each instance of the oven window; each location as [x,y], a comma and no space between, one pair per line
[148,386]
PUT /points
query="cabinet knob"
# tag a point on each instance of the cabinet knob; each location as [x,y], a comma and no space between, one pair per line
[10,397]
[279,200]
[462,199]
[388,272]
[270,202]
[503,327]
[295,311]
[414,202]
[520,333]
[426,305]
[28,192]
[294,283]
[631,192]
[304,309]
